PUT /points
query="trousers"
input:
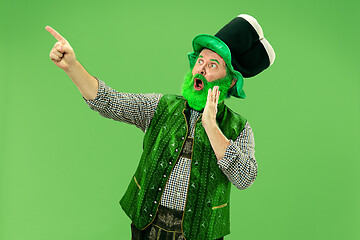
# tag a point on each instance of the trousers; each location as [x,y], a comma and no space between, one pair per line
[166,226]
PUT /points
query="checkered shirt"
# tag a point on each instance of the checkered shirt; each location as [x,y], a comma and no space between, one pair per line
[238,163]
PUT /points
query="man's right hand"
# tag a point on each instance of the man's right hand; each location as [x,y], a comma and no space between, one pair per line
[62,53]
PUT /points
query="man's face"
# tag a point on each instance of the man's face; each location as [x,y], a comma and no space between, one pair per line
[210,65]
[209,71]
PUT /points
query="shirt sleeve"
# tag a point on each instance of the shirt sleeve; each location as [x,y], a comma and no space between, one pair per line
[135,109]
[238,163]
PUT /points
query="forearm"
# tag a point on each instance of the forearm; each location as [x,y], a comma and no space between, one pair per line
[131,108]
[239,163]
[239,167]
[87,84]
[218,141]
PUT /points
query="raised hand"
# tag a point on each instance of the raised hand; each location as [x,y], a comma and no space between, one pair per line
[62,53]
[210,110]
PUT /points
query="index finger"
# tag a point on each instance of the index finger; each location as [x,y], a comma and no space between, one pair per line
[58,37]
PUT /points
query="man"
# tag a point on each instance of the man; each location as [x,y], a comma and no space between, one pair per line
[195,147]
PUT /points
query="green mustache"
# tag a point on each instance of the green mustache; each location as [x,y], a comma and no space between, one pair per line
[207,85]
[201,77]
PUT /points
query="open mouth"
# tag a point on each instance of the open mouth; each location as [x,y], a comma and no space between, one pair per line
[198,84]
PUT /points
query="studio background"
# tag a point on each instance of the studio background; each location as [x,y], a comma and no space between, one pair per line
[63,167]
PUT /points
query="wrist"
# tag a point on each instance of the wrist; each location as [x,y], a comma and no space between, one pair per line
[73,67]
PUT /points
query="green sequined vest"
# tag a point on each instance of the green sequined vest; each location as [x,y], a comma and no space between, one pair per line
[206,213]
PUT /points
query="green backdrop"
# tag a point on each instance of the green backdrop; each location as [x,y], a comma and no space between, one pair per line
[63,167]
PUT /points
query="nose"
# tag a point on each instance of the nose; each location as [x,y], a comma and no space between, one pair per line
[202,70]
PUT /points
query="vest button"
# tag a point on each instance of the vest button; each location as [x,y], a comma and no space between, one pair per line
[155,202]
[182,138]
[150,215]
[159,188]
[170,163]
[176,150]
[164,175]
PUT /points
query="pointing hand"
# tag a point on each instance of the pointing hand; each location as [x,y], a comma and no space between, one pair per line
[62,53]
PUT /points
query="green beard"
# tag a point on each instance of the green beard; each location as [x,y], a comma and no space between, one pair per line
[197,99]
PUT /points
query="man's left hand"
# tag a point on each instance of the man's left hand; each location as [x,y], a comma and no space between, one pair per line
[210,110]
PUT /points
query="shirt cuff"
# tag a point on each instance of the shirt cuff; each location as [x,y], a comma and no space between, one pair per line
[100,98]
[228,158]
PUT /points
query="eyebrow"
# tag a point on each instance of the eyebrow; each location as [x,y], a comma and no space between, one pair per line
[215,61]
[211,59]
